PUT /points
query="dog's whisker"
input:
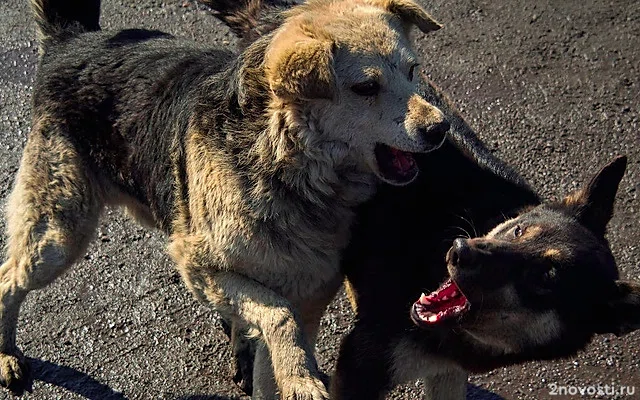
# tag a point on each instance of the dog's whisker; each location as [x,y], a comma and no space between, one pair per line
[466,235]
[469,223]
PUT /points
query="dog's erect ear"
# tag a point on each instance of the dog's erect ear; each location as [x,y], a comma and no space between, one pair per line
[300,68]
[623,311]
[410,12]
[593,205]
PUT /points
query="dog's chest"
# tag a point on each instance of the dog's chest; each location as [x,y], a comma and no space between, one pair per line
[297,280]
[299,264]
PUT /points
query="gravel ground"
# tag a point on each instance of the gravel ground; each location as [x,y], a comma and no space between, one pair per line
[553,87]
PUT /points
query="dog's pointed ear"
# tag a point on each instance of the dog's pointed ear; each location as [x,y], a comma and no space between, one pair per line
[409,12]
[300,68]
[622,313]
[593,205]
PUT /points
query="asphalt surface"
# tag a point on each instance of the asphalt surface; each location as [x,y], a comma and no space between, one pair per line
[553,87]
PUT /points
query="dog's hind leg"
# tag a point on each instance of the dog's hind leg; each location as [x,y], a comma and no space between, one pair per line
[243,349]
[52,213]
[264,383]
[363,367]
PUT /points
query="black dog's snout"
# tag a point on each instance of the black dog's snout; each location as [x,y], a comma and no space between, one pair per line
[461,254]
[435,134]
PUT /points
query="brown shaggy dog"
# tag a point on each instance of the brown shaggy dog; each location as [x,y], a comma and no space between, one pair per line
[252,164]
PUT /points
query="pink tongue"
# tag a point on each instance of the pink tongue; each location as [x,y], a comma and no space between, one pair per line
[401,160]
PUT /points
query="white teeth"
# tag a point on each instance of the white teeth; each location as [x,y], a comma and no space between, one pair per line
[426,315]
[433,318]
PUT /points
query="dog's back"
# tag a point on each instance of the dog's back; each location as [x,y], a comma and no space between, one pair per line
[120,91]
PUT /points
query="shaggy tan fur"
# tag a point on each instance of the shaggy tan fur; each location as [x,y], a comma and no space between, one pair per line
[257,233]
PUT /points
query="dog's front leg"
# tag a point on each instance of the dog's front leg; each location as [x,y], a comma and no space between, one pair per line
[451,385]
[264,385]
[295,370]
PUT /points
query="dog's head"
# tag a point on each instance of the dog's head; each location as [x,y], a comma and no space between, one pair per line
[540,284]
[347,72]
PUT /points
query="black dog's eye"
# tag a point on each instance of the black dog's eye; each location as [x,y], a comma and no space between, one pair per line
[411,71]
[517,231]
[368,88]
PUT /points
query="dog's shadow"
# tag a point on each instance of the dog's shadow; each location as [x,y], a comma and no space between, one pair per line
[87,387]
[477,393]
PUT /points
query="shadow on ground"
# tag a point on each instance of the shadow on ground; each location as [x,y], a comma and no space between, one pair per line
[72,380]
[477,393]
[206,397]
[84,385]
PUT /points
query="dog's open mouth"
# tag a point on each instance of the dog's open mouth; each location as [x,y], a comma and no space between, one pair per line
[443,304]
[396,166]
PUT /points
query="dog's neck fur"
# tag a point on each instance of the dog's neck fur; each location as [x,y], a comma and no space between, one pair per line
[479,357]
[284,153]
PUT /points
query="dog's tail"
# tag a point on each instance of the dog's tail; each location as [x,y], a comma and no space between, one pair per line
[240,16]
[58,19]
[249,19]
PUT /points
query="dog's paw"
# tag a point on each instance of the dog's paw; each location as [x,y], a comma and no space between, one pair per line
[303,388]
[15,373]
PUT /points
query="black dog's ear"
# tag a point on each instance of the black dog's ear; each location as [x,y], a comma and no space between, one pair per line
[622,313]
[593,205]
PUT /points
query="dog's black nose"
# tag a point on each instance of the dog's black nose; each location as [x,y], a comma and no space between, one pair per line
[435,134]
[461,255]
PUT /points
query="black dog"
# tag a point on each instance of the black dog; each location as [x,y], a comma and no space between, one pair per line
[538,286]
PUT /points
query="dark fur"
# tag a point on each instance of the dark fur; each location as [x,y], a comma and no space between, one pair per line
[565,265]
[63,21]
[464,188]
[117,120]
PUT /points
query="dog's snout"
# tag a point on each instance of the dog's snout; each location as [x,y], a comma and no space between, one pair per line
[427,121]
[435,134]
[461,254]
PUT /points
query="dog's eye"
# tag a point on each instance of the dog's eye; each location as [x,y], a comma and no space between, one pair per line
[368,88]
[517,231]
[411,71]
